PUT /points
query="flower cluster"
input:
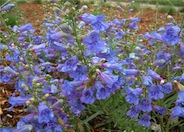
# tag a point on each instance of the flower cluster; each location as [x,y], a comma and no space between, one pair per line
[84,59]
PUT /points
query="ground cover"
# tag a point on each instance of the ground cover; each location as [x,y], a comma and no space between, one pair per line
[161,2]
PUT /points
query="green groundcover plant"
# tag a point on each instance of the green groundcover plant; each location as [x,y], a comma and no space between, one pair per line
[86,72]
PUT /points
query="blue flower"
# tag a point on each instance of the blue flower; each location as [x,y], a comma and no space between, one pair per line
[147,80]
[166,88]
[14,57]
[29,118]
[178,111]
[119,23]
[145,105]
[155,76]
[181,98]
[45,115]
[20,86]
[162,59]
[133,112]
[6,77]
[95,21]
[133,26]
[133,95]
[22,127]
[88,18]
[159,109]
[70,65]
[93,42]
[6,129]
[109,54]
[120,34]
[79,74]
[53,127]
[182,78]
[26,27]
[68,88]
[7,7]
[58,46]
[155,93]
[108,78]
[76,106]
[18,101]
[171,35]
[145,120]
[130,71]
[102,92]
[88,96]
[112,66]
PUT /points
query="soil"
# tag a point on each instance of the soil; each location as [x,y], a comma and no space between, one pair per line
[34,13]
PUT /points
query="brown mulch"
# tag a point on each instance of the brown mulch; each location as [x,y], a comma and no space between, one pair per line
[9,118]
[34,13]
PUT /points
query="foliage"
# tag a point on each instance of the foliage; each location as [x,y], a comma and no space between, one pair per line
[21,1]
[37,1]
[160,2]
[170,10]
[88,3]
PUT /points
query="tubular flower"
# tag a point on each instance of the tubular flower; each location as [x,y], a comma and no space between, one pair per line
[93,42]
[133,112]
[88,96]
[7,7]
[108,79]
[145,105]
[145,120]
[155,76]
[171,35]
[133,95]
[102,92]
[45,114]
[96,22]
[155,93]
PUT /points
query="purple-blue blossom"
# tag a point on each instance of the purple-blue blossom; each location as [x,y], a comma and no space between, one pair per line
[93,42]
[97,22]
[166,88]
[171,35]
[145,105]
[145,120]
[133,112]
[45,114]
[107,78]
[159,109]
[133,95]
[7,7]
[155,93]
[70,64]
[88,96]
[102,92]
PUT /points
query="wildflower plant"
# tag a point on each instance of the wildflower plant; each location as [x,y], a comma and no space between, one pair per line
[85,68]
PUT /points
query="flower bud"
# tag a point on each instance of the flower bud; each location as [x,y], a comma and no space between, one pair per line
[4,47]
[24,87]
[170,17]
[38,84]
[32,99]
[46,96]
[28,102]
[34,81]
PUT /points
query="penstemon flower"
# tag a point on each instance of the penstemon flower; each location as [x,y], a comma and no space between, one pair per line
[81,64]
